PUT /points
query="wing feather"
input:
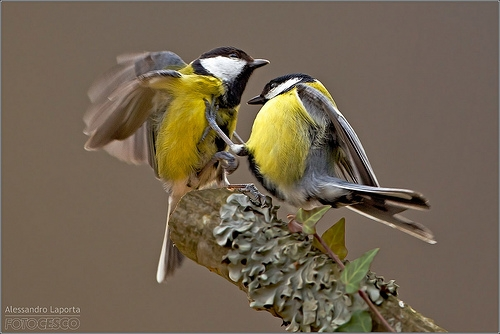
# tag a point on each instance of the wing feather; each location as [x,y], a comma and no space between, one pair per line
[122,100]
[129,67]
[352,161]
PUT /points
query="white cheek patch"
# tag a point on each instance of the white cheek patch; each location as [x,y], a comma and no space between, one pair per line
[224,68]
[281,88]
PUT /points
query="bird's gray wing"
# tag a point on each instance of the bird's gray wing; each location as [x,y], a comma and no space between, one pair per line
[351,161]
[128,67]
[119,119]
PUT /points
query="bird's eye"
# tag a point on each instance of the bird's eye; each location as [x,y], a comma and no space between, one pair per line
[273,85]
[233,55]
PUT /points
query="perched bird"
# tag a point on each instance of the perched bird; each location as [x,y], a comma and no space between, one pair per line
[305,153]
[150,108]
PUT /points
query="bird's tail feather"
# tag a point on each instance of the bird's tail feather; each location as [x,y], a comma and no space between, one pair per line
[385,204]
[394,220]
[170,257]
[392,197]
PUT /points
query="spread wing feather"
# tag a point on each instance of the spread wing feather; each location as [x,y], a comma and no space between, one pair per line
[122,102]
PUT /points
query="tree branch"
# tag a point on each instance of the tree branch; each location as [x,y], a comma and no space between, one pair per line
[279,271]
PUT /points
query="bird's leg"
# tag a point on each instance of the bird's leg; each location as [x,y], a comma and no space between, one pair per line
[229,164]
[239,140]
[211,115]
[227,161]
[255,196]
[205,134]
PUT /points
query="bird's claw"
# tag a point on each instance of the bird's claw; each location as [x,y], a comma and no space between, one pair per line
[255,196]
[227,161]
[210,109]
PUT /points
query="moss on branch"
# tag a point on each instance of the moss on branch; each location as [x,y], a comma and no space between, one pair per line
[279,271]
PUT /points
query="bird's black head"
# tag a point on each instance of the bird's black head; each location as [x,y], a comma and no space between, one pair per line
[233,67]
[279,86]
[227,51]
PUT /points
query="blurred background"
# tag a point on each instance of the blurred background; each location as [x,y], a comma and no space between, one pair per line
[417,81]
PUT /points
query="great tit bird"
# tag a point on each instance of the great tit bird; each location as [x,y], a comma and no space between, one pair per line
[150,108]
[305,153]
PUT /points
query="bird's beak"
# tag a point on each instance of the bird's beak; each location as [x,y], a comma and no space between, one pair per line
[258,63]
[257,100]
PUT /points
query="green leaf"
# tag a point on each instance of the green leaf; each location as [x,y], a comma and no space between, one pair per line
[356,270]
[360,322]
[310,218]
[335,239]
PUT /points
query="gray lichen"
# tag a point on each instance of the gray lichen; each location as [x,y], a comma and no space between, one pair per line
[282,270]
[378,290]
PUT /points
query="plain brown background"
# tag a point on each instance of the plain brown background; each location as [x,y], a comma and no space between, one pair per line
[417,81]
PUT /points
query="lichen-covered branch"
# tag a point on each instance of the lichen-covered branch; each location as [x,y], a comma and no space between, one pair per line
[280,271]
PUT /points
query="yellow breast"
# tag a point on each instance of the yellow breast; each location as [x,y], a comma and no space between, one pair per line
[177,144]
[279,140]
